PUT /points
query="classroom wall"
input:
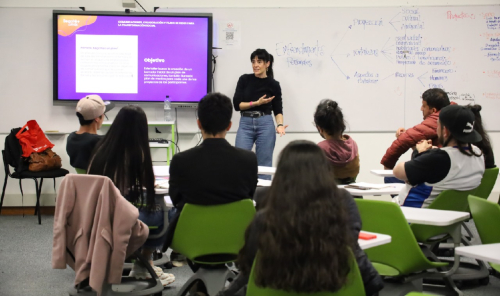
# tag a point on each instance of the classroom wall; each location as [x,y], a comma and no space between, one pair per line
[372,146]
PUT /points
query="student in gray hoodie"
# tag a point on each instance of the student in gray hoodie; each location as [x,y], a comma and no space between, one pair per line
[340,149]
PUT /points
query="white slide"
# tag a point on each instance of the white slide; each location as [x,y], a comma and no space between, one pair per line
[106,64]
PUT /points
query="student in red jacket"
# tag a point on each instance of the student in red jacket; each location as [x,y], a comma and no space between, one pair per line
[433,100]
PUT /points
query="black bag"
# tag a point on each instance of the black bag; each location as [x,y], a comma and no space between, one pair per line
[14,151]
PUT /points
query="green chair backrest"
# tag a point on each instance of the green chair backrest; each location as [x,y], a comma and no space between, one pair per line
[354,286]
[487,219]
[80,171]
[487,183]
[212,230]
[451,200]
[403,255]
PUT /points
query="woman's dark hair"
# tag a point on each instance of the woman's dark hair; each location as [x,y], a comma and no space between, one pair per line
[304,236]
[329,117]
[436,98]
[214,112]
[123,155]
[262,54]
[485,144]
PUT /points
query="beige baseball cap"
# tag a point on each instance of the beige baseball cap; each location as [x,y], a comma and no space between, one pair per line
[92,106]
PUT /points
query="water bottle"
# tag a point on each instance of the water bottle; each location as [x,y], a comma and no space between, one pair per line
[167,110]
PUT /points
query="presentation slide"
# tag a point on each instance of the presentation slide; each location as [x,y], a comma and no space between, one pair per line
[132,58]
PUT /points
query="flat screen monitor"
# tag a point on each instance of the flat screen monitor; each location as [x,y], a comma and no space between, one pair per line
[132,57]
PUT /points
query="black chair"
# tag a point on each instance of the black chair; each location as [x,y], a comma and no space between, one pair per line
[53,174]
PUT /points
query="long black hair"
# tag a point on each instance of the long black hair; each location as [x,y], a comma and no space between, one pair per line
[262,54]
[304,236]
[329,117]
[123,155]
[485,144]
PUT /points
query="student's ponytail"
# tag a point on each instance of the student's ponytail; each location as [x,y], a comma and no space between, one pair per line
[270,68]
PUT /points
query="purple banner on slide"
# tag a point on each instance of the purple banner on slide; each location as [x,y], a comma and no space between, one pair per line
[132,58]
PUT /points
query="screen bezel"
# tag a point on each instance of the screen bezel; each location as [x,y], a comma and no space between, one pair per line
[56,13]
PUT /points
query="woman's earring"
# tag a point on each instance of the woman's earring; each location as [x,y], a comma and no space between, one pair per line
[267,69]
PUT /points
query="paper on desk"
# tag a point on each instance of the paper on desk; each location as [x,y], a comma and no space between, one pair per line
[371,185]
[161,184]
[383,173]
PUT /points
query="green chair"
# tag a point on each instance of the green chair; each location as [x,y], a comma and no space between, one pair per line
[212,236]
[451,200]
[80,171]
[354,286]
[487,219]
[483,191]
[433,236]
[487,183]
[403,257]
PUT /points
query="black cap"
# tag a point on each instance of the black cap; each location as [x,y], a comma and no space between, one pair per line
[460,121]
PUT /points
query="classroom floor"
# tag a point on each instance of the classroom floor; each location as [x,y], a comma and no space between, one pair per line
[25,264]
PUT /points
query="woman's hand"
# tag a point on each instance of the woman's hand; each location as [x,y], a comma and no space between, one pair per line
[281,130]
[263,100]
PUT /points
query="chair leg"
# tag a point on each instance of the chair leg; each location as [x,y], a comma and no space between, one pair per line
[37,207]
[185,288]
[38,194]
[3,192]
[215,279]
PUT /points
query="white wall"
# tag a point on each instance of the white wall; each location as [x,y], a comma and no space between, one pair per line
[372,145]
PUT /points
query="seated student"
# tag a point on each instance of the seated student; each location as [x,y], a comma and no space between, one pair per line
[485,144]
[214,172]
[123,155]
[316,223]
[433,100]
[90,111]
[340,149]
[457,165]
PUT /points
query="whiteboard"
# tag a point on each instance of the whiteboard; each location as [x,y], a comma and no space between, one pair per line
[356,56]
[375,62]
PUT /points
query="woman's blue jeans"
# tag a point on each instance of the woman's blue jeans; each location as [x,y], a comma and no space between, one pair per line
[260,131]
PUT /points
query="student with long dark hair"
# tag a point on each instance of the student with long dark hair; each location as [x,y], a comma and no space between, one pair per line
[485,144]
[340,149]
[123,155]
[258,95]
[304,231]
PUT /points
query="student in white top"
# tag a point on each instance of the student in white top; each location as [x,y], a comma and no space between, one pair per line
[457,165]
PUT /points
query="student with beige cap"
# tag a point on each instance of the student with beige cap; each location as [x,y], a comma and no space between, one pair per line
[90,112]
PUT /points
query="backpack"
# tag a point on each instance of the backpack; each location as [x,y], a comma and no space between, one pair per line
[14,151]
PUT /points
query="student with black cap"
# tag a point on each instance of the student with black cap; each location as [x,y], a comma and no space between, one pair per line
[458,165]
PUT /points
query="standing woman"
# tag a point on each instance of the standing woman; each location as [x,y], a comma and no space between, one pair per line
[257,96]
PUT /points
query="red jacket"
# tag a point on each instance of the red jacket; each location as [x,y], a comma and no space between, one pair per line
[424,131]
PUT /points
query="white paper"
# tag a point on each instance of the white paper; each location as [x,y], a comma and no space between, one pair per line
[230,35]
